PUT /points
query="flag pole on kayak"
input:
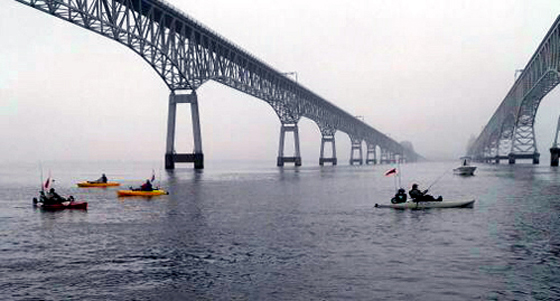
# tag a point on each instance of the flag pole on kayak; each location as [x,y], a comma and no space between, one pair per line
[399,173]
[41,169]
[390,172]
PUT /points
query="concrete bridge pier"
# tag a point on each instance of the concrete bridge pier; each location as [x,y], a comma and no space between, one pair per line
[512,157]
[356,146]
[555,150]
[554,156]
[296,159]
[385,157]
[171,157]
[497,159]
[327,138]
[371,151]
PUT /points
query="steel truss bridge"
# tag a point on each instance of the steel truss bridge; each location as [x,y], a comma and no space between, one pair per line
[187,54]
[510,133]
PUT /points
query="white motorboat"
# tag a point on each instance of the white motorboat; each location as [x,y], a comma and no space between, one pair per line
[466,169]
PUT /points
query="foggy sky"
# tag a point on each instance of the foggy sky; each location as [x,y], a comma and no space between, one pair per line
[429,72]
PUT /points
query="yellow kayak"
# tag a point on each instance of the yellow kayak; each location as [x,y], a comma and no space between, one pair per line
[93,184]
[141,192]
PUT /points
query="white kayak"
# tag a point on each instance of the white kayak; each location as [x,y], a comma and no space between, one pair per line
[428,205]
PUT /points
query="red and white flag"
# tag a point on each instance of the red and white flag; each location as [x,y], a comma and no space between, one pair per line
[392,171]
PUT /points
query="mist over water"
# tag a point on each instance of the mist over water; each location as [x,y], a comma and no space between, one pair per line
[256,232]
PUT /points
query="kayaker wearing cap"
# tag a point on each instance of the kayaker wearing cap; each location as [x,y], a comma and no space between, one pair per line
[420,196]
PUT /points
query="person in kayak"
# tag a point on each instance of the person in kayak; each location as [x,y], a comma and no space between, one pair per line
[103,179]
[421,196]
[52,197]
[147,186]
[400,197]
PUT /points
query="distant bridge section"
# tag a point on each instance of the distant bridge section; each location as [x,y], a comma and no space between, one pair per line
[186,54]
[510,132]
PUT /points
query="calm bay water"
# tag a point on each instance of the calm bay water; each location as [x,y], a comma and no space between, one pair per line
[262,233]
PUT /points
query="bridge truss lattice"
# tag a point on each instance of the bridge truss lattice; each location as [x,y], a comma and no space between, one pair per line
[186,54]
[510,132]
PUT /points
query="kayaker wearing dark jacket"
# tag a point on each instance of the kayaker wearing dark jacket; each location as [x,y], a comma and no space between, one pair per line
[147,186]
[420,196]
[53,198]
[103,179]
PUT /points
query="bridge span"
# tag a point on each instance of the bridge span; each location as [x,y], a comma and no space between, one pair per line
[186,54]
[510,133]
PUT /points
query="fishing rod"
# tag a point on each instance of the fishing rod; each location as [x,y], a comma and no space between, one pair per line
[439,178]
[399,172]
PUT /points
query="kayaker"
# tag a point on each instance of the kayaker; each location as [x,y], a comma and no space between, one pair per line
[400,197]
[103,179]
[421,196]
[53,198]
[147,186]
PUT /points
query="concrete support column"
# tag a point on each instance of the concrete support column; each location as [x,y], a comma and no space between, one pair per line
[356,146]
[170,147]
[536,158]
[554,156]
[296,159]
[384,158]
[555,150]
[511,158]
[171,157]
[371,151]
[322,159]
[196,126]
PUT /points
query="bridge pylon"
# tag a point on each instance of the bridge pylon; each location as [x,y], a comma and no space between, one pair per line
[171,157]
[535,157]
[327,136]
[371,151]
[387,157]
[327,139]
[524,145]
[555,150]
[356,146]
[296,159]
